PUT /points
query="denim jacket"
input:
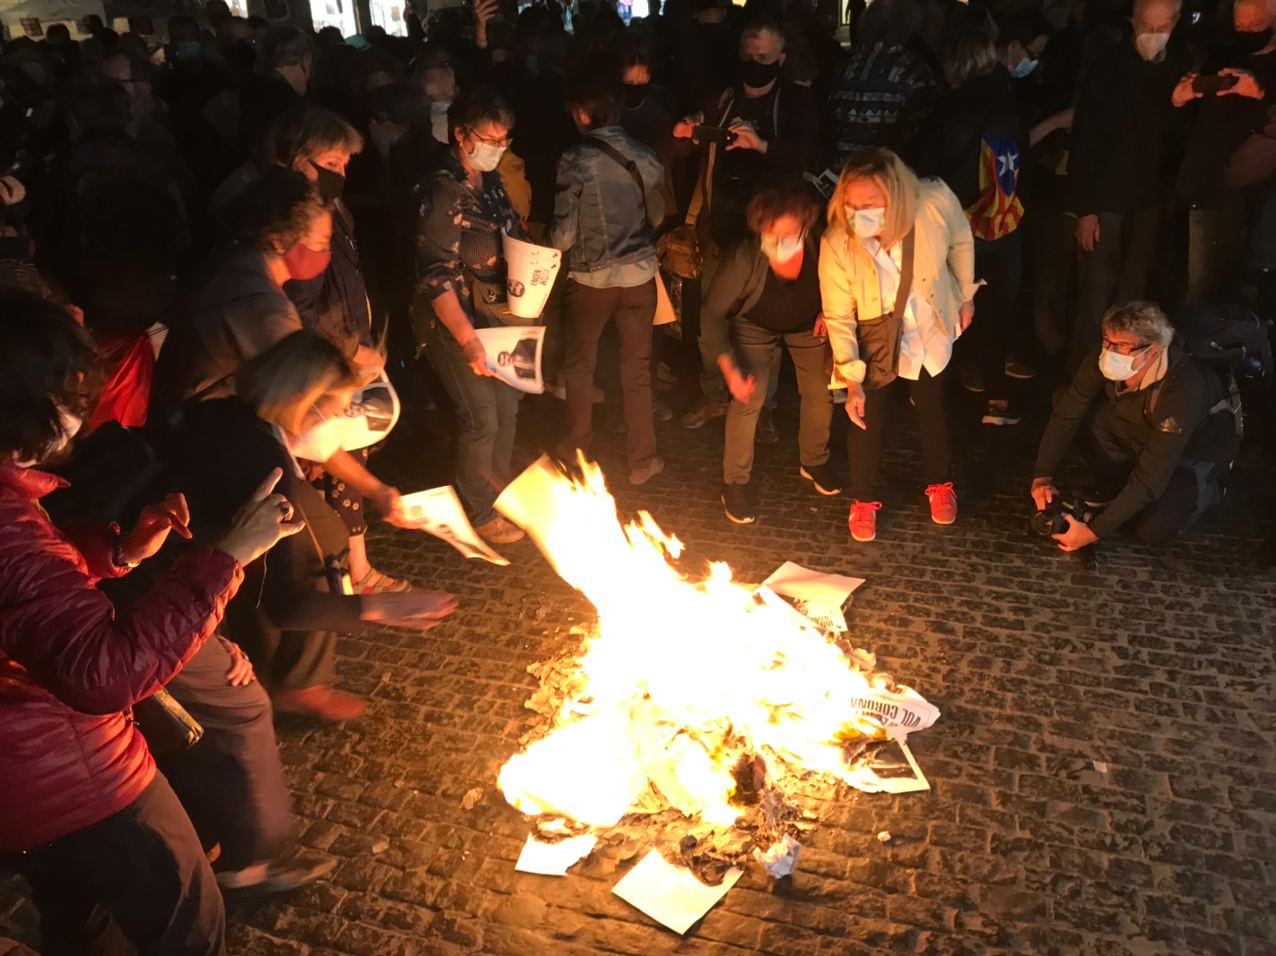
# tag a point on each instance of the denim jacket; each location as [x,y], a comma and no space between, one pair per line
[598,212]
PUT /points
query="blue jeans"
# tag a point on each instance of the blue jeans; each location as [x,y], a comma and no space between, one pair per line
[486,415]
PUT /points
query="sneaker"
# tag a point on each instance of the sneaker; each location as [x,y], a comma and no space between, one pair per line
[1020,370]
[972,380]
[661,411]
[737,502]
[320,702]
[768,434]
[499,531]
[644,473]
[822,477]
[863,521]
[708,410]
[943,503]
[997,412]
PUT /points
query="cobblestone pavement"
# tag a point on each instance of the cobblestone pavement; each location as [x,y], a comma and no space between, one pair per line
[1104,772]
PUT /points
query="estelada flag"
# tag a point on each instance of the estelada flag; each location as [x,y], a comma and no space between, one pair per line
[997,211]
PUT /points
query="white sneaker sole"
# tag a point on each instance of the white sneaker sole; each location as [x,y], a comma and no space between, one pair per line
[827,492]
[733,519]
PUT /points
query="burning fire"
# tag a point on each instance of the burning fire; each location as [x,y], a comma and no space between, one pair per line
[680,680]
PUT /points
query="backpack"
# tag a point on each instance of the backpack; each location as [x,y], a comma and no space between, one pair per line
[1232,342]
[1231,339]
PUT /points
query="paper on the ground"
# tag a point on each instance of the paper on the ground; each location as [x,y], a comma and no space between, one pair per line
[438,511]
[818,595]
[897,708]
[779,859]
[514,355]
[892,769]
[553,859]
[670,894]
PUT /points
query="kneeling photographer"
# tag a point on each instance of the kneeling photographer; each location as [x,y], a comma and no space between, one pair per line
[1159,432]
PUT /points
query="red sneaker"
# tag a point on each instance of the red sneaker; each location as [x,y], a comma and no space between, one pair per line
[320,702]
[943,503]
[863,522]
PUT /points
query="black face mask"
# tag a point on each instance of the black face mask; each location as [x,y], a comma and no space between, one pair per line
[635,94]
[330,184]
[758,75]
[1251,41]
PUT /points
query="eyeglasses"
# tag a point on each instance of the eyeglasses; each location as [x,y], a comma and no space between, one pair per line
[502,143]
[1123,349]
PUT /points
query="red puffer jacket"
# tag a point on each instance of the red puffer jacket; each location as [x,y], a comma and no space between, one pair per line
[71,665]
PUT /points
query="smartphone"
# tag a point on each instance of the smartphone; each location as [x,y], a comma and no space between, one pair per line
[1213,83]
[703,135]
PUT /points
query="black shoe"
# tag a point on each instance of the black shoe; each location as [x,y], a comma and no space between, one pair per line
[737,502]
[767,432]
[823,478]
[999,412]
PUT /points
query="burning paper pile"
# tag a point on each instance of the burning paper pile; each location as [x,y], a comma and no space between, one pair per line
[707,697]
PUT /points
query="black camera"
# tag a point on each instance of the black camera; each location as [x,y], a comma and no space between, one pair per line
[1053,519]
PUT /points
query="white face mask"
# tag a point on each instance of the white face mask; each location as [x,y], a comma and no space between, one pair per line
[438,120]
[1151,45]
[782,248]
[70,424]
[486,157]
[319,442]
[1117,367]
[1023,68]
[867,223]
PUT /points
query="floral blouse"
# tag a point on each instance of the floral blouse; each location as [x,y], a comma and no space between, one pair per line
[458,235]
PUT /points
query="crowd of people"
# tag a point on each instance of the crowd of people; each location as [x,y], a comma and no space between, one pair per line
[212,243]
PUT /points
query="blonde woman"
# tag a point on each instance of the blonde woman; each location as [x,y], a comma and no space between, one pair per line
[897,282]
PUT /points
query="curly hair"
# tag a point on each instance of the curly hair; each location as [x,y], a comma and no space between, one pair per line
[276,211]
[48,370]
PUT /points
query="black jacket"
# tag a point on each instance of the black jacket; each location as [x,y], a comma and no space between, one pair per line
[1124,118]
[1162,426]
[236,312]
[982,106]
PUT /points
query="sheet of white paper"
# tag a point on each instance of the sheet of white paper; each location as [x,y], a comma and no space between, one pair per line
[818,595]
[553,859]
[889,774]
[438,511]
[514,355]
[670,894]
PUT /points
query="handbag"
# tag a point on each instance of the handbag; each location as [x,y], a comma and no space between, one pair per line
[167,726]
[879,339]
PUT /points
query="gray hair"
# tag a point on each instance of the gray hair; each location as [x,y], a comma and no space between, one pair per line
[1141,318]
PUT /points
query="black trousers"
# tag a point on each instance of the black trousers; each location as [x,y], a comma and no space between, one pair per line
[865,445]
[144,866]
[1193,488]
[996,309]
[231,782]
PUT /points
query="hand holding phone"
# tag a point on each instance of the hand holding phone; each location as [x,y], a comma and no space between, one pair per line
[704,135]
[1213,83]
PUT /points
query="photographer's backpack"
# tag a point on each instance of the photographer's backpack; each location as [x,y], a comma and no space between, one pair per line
[1231,340]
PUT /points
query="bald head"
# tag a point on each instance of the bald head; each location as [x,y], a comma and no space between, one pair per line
[1253,16]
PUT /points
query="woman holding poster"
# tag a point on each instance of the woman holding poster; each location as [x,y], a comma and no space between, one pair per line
[460,288]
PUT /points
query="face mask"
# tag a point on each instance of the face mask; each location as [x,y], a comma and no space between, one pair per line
[1023,68]
[330,183]
[320,442]
[305,263]
[1251,41]
[70,426]
[1115,366]
[867,223]
[781,249]
[1151,45]
[486,157]
[635,93]
[438,120]
[758,75]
